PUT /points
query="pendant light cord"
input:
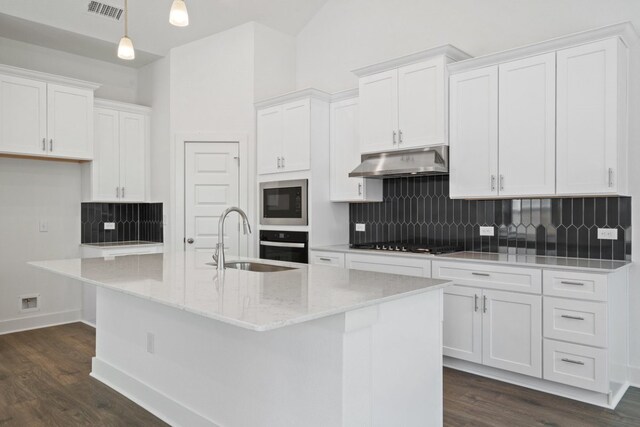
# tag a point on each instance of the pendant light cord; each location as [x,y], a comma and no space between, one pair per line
[126,18]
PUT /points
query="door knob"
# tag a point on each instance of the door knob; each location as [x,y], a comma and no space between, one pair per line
[190,241]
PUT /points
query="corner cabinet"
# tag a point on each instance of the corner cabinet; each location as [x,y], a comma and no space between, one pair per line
[42,117]
[118,172]
[553,124]
[403,102]
[345,155]
[285,131]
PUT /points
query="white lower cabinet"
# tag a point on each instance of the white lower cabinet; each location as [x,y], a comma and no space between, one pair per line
[334,259]
[576,365]
[462,328]
[389,264]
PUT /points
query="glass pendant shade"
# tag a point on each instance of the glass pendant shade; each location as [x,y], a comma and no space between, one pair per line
[125,49]
[178,15]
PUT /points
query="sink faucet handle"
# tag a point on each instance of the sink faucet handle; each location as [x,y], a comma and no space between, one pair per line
[247,227]
[216,254]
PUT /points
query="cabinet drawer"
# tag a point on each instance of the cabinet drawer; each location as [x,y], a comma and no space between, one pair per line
[490,276]
[335,259]
[576,365]
[575,285]
[389,264]
[581,322]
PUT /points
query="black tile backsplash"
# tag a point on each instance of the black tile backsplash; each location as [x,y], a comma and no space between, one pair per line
[419,210]
[134,221]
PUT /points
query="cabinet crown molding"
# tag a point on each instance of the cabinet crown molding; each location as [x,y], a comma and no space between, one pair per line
[446,50]
[46,77]
[121,106]
[294,96]
[345,94]
[625,31]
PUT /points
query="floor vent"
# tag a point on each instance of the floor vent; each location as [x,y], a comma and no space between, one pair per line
[29,303]
[105,10]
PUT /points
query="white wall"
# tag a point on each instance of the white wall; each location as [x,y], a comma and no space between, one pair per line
[31,190]
[348,34]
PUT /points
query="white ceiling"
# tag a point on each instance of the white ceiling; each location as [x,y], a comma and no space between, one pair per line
[66,24]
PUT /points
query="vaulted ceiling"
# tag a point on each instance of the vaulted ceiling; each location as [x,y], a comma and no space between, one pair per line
[67,25]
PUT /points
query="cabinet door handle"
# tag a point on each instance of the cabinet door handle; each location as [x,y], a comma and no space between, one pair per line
[51,144]
[279,163]
[484,303]
[400,136]
[564,282]
[123,192]
[394,137]
[44,144]
[575,362]
[117,192]
[566,316]
[475,302]
[481,274]
[493,183]
[610,177]
[360,189]
[283,162]
[501,182]
[325,259]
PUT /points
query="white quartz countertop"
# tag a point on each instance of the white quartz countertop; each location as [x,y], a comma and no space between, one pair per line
[256,301]
[583,264]
[127,244]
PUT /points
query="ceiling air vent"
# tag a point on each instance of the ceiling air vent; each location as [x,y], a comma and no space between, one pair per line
[105,10]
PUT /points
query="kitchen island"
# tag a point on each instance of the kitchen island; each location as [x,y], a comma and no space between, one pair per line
[311,345]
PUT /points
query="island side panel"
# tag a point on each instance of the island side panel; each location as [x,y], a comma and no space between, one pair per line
[200,371]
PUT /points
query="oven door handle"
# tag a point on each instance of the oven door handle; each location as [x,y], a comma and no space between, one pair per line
[283,244]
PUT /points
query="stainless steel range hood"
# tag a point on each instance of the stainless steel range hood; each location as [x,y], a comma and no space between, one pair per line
[422,161]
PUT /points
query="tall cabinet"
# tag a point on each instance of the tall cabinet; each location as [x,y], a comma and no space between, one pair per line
[119,170]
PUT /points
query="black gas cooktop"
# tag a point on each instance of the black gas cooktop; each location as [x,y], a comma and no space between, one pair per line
[407,247]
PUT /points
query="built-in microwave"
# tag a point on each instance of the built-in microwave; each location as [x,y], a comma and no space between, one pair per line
[284,202]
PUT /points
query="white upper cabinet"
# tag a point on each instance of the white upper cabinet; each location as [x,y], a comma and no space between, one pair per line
[474,133]
[526,131]
[45,118]
[592,117]
[23,116]
[286,127]
[118,172]
[421,104]
[70,121]
[403,102]
[345,156]
[296,139]
[379,112]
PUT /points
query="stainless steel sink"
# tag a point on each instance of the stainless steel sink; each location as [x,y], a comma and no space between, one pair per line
[255,266]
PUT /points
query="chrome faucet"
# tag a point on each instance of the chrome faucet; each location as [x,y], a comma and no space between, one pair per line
[218,257]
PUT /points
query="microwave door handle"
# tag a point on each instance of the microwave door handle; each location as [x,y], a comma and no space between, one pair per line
[283,244]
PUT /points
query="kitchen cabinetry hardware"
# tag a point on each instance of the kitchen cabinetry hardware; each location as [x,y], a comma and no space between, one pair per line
[282,244]
[283,162]
[480,274]
[117,192]
[279,163]
[190,240]
[575,362]
[325,259]
[493,183]
[400,136]
[51,144]
[475,302]
[123,192]
[360,189]
[610,177]
[484,303]
[44,144]
[501,182]
[394,137]
[566,316]
[565,282]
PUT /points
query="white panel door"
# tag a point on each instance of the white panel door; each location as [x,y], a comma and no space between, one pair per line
[132,156]
[512,332]
[462,328]
[23,116]
[527,126]
[345,151]
[296,138]
[379,112]
[421,115]
[106,161]
[70,121]
[211,186]
[588,118]
[473,133]
[269,139]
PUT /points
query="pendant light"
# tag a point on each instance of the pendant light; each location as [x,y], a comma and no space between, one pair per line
[178,15]
[125,48]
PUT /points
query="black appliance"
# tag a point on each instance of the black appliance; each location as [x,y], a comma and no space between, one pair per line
[292,246]
[284,202]
[407,247]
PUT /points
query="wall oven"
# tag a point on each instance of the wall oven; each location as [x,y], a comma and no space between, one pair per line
[284,202]
[292,246]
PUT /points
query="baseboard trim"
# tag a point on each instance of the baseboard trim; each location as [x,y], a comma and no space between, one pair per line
[11,326]
[86,322]
[159,404]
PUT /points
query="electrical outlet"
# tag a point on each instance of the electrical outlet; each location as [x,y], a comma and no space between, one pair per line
[109,225]
[43,226]
[487,231]
[360,227]
[151,343]
[607,234]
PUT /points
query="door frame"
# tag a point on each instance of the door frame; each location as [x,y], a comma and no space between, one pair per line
[178,191]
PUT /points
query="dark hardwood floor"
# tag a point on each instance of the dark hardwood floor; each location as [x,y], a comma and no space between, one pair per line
[44,381]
